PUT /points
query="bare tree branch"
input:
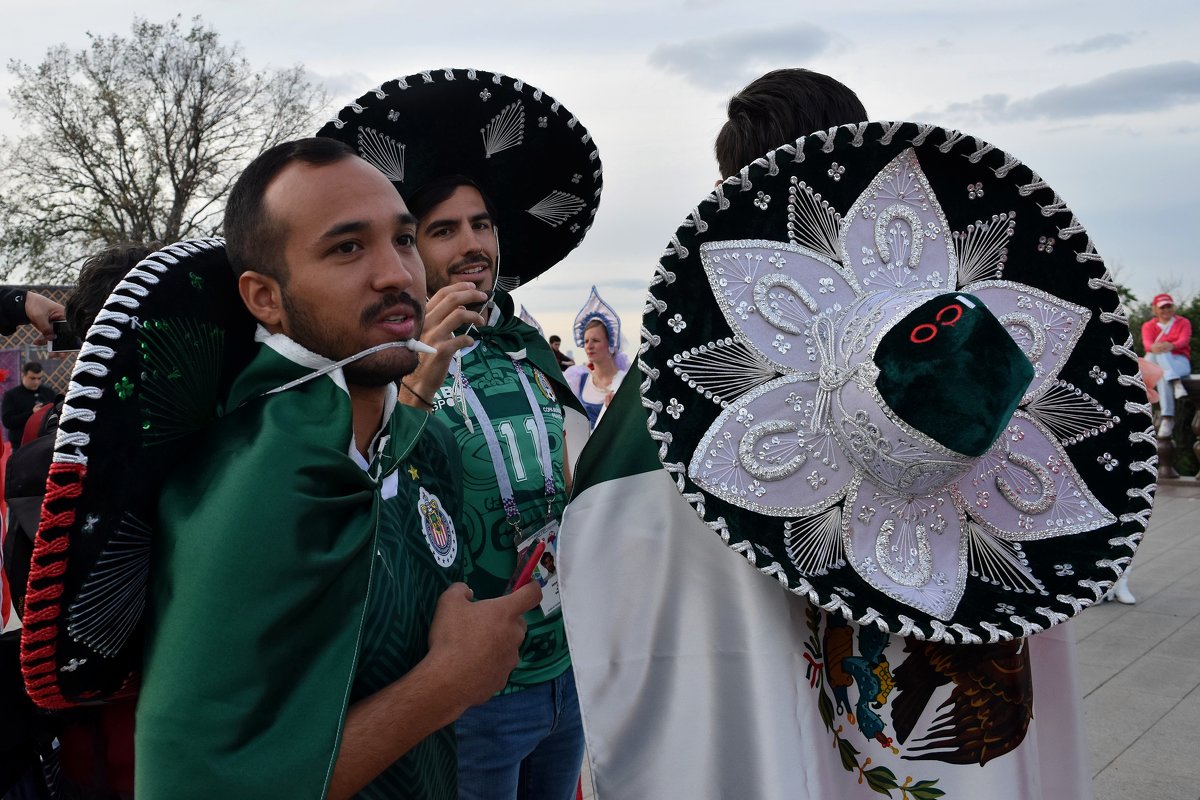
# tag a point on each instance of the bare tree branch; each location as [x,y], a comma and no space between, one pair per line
[135,138]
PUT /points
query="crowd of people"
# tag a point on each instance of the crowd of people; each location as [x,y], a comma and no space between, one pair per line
[351,588]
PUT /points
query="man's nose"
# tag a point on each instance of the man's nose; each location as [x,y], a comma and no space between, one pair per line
[398,270]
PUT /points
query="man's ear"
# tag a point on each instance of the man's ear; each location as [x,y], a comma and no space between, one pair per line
[263,297]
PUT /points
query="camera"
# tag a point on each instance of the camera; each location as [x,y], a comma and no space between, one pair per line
[64,337]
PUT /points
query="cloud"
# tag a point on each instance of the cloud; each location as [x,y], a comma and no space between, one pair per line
[731,61]
[343,87]
[1109,41]
[1158,87]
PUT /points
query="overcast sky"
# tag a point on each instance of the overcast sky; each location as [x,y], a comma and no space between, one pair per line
[1101,98]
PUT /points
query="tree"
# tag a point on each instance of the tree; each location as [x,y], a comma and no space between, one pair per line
[136,139]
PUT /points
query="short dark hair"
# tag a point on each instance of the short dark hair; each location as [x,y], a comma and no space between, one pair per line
[433,193]
[31,366]
[778,108]
[555,338]
[97,277]
[252,239]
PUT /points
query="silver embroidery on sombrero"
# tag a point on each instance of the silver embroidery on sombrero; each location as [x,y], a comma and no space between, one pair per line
[382,152]
[918,520]
[111,600]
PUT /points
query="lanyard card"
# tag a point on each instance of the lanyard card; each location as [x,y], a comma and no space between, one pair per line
[545,572]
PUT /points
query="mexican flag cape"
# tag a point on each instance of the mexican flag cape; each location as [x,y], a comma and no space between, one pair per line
[260,577]
[699,678]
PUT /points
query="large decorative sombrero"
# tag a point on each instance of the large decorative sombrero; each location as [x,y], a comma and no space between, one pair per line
[888,367]
[529,154]
[149,375]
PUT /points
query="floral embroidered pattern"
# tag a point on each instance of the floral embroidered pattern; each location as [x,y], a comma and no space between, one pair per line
[919,540]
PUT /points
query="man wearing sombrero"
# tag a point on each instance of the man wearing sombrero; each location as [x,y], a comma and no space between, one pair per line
[910,685]
[505,182]
[231,456]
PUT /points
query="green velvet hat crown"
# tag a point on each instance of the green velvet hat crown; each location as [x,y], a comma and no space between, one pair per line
[950,370]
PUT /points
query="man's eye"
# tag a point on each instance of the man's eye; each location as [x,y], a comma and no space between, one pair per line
[406,240]
[346,247]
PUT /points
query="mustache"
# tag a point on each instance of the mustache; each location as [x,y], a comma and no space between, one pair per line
[371,313]
[473,260]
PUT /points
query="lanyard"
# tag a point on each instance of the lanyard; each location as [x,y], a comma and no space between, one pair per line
[511,513]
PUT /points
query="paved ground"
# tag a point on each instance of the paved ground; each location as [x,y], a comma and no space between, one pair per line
[1140,665]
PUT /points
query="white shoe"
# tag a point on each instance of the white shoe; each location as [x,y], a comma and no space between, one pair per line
[1180,392]
[1121,592]
[1166,426]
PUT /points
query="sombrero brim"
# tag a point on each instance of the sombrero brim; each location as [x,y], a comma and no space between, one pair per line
[149,376]
[534,159]
[735,386]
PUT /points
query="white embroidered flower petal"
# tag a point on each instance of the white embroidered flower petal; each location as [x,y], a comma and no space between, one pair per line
[910,548]
[769,293]
[895,236]
[1026,488]
[761,453]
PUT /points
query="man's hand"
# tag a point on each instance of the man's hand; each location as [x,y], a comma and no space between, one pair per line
[42,312]
[444,313]
[477,642]
[472,649]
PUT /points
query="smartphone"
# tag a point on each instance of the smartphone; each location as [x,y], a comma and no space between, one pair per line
[64,337]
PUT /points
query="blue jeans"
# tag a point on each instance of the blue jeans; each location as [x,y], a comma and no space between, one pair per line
[526,745]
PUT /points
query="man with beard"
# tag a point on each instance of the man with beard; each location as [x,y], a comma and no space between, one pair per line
[531,734]
[329,512]
[505,182]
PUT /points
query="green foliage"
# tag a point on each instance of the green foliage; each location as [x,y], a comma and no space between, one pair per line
[135,139]
[881,779]
[924,790]
[848,752]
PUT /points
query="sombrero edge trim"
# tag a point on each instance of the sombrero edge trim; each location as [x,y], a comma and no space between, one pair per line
[974,150]
[46,606]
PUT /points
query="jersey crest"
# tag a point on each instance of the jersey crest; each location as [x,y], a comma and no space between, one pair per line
[438,528]
[543,383]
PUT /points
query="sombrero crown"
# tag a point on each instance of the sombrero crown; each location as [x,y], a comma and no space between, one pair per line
[886,364]
[531,156]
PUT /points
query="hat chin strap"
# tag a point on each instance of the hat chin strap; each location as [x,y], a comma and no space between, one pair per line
[416,345]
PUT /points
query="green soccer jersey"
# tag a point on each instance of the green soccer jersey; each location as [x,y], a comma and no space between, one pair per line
[417,557]
[490,540]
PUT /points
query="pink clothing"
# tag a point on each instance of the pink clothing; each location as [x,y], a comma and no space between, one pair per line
[1180,336]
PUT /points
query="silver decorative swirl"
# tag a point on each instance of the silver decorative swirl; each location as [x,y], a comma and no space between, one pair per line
[916,557]
[751,461]
[914,222]
[1036,331]
[1049,491]
[770,313]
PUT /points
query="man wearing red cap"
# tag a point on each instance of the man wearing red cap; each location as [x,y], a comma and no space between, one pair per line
[1167,339]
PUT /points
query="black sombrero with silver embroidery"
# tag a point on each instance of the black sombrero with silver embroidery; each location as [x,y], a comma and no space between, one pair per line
[889,368]
[169,340]
[533,158]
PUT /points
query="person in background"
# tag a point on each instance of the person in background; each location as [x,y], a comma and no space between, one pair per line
[564,360]
[595,385]
[1167,338]
[23,400]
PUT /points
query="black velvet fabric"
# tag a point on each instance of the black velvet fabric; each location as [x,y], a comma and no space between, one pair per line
[950,370]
